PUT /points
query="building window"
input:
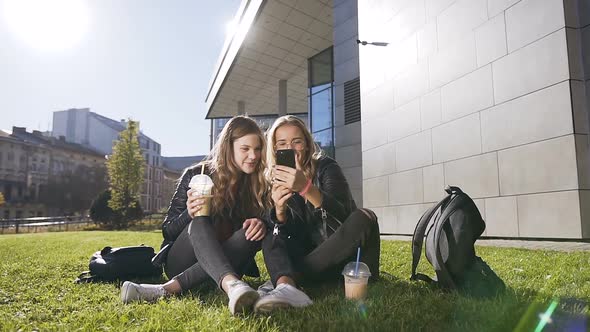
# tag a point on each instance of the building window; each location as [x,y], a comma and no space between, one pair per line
[321,100]
[19,214]
[321,114]
[218,126]
[6,214]
[32,192]
[8,192]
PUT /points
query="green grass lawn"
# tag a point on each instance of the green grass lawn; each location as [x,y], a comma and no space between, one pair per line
[37,293]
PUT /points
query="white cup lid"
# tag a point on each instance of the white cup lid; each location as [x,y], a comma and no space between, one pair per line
[202,183]
[350,270]
[201,180]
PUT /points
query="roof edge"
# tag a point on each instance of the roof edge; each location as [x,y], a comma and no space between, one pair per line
[247,14]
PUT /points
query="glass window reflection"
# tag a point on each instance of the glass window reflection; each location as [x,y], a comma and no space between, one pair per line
[321,100]
[325,141]
[321,110]
[320,67]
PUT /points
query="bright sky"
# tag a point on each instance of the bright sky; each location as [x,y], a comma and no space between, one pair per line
[145,59]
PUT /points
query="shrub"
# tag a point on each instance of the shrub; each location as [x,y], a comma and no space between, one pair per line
[102,214]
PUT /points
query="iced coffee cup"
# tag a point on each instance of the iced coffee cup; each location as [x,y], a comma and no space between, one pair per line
[356,280]
[201,184]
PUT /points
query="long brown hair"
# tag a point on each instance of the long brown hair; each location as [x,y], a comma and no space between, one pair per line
[229,178]
[312,151]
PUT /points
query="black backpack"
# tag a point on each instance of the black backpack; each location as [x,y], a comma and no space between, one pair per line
[111,264]
[452,226]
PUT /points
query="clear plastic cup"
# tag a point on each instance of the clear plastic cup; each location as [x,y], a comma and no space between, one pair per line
[202,186]
[355,281]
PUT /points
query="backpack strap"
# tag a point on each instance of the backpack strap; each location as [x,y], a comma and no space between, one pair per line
[86,277]
[418,240]
[444,272]
[453,190]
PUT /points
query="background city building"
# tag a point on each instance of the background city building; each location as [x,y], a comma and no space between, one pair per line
[489,95]
[99,133]
[44,176]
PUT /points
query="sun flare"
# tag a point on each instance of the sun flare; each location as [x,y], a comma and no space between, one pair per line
[47,25]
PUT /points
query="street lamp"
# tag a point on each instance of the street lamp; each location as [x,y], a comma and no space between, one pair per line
[364,42]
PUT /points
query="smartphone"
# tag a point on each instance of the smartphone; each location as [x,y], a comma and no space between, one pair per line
[286,157]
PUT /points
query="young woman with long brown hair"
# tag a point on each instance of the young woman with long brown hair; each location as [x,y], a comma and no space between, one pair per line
[314,217]
[220,246]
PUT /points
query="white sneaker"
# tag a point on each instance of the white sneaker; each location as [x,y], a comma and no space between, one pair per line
[131,292]
[241,297]
[265,288]
[283,296]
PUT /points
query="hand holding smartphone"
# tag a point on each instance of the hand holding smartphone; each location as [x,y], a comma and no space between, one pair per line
[286,157]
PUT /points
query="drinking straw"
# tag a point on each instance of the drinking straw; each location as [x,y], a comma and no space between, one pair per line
[358,257]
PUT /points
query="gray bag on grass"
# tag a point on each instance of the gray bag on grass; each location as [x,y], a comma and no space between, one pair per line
[451,228]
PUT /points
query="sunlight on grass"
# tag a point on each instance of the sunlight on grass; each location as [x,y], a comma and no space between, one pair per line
[37,293]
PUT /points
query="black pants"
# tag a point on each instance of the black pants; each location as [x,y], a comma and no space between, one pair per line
[327,260]
[197,256]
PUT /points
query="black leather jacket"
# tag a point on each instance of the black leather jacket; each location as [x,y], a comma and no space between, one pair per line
[177,217]
[315,225]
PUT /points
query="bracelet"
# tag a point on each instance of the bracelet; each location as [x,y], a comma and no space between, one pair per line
[306,188]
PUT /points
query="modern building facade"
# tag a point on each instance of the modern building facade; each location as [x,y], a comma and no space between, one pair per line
[100,133]
[489,95]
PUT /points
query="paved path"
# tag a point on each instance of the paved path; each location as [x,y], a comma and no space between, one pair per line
[544,245]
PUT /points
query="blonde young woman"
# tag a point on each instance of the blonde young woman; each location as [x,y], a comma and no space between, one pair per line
[222,246]
[314,217]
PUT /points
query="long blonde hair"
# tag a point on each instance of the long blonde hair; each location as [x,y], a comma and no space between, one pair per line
[312,151]
[229,178]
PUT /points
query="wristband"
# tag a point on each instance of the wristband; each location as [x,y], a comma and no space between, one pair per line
[306,188]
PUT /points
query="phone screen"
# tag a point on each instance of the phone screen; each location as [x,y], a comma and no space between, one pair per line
[286,157]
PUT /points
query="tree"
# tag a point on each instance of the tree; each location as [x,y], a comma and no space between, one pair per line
[125,168]
[2,201]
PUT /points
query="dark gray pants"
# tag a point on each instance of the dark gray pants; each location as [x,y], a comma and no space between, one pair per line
[327,260]
[197,256]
